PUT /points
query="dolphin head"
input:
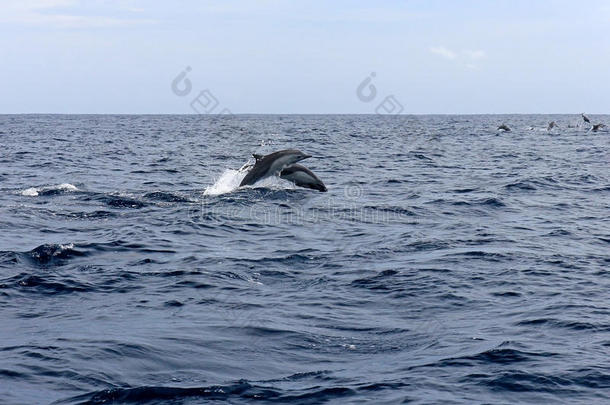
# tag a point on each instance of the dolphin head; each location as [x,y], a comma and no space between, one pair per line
[320,187]
[296,155]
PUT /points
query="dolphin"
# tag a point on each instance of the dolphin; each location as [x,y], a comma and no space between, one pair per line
[504,127]
[597,127]
[302,177]
[584,117]
[272,164]
[552,125]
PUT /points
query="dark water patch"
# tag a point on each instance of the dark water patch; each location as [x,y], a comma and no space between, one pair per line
[536,183]
[506,294]
[559,232]
[174,273]
[592,378]
[92,215]
[50,192]
[601,189]
[123,202]
[319,375]
[380,281]
[4,373]
[464,190]
[395,181]
[491,202]
[420,156]
[268,194]
[585,179]
[517,381]
[173,303]
[127,350]
[480,254]
[114,201]
[521,185]
[45,285]
[190,284]
[497,356]
[82,280]
[564,324]
[302,257]
[8,258]
[425,245]
[240,391]
[165,197]
[384,212]
[53,254]
[559,384]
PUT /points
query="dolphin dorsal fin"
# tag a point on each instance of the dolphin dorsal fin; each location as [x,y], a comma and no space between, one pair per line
[257,156]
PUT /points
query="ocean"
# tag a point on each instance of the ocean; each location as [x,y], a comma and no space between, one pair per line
[447,263]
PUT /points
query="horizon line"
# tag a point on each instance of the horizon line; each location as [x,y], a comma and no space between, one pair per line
[253,113]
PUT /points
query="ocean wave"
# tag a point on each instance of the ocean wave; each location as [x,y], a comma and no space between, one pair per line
[49,190]
[242,390]
[45,285]
[115,201]
[381,281]
[565,324]
[165,197]
[86,215]
[500,355]
[51,253]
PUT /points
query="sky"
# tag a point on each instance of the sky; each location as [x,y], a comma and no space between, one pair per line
[309,56]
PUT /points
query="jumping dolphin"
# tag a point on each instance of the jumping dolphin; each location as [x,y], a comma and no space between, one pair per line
[302,177]
[504,127]
[597,127]
[584,117]
[552,125]
[272,164]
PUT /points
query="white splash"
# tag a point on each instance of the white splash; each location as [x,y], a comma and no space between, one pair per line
[34,191]
[64,247]
[30,192]
[230,179]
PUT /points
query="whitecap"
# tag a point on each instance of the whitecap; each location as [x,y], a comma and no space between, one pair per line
[35,191]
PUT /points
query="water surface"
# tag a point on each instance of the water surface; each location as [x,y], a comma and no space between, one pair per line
[446,263]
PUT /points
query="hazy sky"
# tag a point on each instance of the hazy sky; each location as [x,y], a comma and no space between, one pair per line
[283,56]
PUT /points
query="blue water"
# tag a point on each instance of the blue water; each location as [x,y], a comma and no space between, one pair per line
[447,263]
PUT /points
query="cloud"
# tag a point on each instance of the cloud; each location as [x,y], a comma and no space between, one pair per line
[449,54]
[477,54]
[444,52]
[465,58]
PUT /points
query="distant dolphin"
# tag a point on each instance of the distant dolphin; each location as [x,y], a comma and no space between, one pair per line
[272,165]
[584,117]
[302,177]
[552,125]
[597,127]
[504,127]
